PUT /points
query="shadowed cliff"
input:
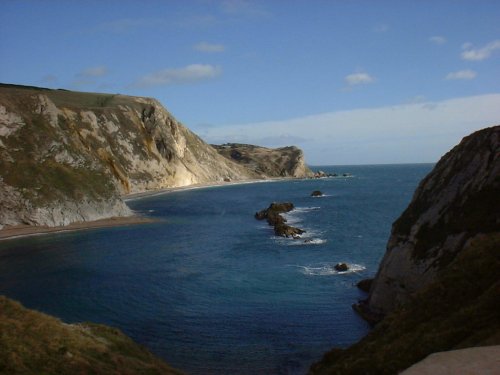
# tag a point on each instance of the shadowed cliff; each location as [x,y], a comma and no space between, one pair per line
[438,285]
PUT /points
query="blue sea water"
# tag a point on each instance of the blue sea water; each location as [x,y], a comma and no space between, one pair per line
[212,290]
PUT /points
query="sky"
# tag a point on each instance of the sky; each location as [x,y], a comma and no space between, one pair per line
[349,82]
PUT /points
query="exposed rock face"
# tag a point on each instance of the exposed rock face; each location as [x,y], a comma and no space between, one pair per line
[438,285]
[455,202]
[70,156]
[279,162]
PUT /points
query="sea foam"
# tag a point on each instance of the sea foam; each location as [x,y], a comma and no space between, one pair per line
[328,269]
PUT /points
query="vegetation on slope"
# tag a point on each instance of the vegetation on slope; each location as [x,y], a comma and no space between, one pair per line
[35,343]
[457,311]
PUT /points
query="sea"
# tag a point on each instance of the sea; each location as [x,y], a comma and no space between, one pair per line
[212,290]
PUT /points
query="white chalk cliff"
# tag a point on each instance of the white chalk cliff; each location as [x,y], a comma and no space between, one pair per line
[69,156]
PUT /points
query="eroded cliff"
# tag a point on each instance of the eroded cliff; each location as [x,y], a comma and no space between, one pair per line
[267,162]
[438,285]
[69,156]
[455,202]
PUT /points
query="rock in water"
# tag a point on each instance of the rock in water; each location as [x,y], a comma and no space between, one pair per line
[341,267]
[272,214]
[316,193]
[284,230]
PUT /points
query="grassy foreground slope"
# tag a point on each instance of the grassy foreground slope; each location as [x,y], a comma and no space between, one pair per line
[459,310]
[36,343]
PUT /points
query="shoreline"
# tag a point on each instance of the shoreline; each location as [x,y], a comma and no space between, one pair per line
[22,230]
[152,193]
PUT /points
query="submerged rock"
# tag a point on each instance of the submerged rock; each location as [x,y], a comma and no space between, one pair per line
[316,193]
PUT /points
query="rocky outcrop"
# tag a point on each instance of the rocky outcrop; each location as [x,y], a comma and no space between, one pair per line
[69,156]
[278,162]
[273,217]
[455,202]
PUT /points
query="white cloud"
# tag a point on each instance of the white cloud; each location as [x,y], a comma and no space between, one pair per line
[188,74]
[358,79]
[478,54]
[209,47]
[420,132]
[437,39]
[461,74]
[95,71]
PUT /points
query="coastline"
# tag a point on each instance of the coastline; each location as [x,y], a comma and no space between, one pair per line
[20,231]
[151,193]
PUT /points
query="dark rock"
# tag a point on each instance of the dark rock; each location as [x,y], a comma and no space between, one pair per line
[272,214]
[316,193]
[365,285]
[341,267]
[284,230]
[281,207]
[273,210]
[364,311]
[322,174]
[274,218]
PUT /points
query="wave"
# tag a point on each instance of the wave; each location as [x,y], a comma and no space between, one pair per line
[328,269]
[295,216]
[307,241]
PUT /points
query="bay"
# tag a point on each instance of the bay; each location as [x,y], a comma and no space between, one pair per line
[212,290]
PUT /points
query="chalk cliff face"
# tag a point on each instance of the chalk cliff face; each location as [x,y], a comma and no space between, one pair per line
[279,162]
[456,201]
[70,156]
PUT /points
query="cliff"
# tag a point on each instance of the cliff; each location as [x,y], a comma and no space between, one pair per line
[456,201]
[267,162]
[438,285]
[36,343]
[69,156]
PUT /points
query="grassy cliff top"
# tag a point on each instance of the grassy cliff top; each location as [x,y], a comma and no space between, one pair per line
[73,99]
[36,343]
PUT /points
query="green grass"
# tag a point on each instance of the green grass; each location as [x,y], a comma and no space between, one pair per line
[35,343]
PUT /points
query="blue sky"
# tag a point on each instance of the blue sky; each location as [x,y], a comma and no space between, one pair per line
[350,82]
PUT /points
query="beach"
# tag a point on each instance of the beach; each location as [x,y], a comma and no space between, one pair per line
[16,231]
